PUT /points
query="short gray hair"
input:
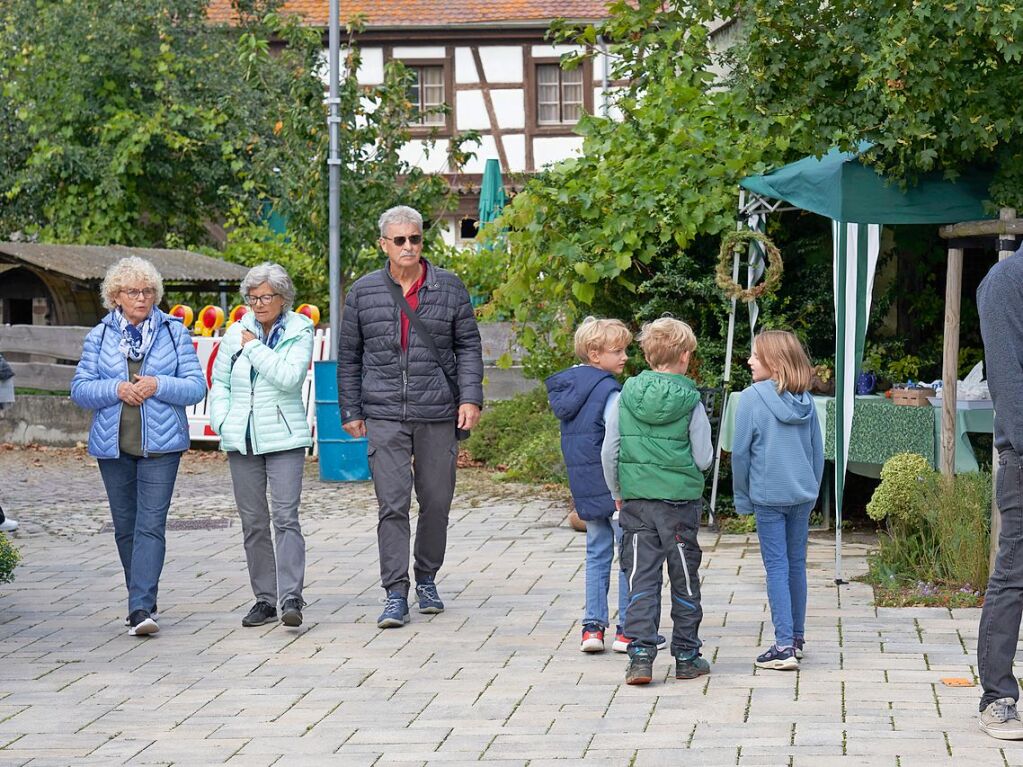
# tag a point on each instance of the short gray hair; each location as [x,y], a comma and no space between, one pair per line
[400,214]
[130,270]
[273,275]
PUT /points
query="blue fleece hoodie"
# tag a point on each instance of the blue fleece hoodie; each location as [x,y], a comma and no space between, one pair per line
[777,452]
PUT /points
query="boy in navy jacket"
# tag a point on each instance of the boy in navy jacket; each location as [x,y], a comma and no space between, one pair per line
[579,398]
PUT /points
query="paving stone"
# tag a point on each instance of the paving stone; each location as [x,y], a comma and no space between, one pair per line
[496,679]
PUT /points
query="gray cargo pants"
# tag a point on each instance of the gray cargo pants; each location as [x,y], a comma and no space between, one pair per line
[652,532]
[1003,602]
[403,455]
[276,567]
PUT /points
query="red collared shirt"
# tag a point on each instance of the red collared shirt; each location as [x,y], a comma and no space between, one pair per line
[412,296]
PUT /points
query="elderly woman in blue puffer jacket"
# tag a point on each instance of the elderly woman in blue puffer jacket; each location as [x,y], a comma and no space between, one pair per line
[256,408]
[137,373]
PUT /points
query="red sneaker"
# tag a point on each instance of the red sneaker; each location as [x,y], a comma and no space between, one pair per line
[621,643]
[593,638]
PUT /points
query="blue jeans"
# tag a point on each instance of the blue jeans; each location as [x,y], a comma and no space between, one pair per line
[139,491]
[603,536]
[783,531]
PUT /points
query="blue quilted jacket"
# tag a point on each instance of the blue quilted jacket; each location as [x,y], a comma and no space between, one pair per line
[180,382]
[578,396]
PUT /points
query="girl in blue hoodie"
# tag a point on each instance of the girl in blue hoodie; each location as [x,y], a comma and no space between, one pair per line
[777,465]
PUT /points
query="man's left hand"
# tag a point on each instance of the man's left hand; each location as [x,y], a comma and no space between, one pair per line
[468,415]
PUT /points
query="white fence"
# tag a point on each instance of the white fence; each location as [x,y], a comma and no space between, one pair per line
[207,349]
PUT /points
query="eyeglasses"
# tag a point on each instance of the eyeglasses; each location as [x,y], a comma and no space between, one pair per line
[413,239]
[261,300]
[136,292]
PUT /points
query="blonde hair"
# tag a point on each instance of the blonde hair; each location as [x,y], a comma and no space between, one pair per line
[130,271]
[785,357]
[595,335]
[665,340]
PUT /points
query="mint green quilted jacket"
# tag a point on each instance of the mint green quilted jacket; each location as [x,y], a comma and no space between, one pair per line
[271,403]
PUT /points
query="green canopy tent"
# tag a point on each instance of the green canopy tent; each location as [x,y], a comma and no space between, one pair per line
[858,201]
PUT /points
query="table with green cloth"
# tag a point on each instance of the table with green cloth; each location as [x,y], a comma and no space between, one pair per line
[881,429]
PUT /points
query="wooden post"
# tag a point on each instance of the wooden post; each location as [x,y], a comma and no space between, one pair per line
[1005,214]
[950,361]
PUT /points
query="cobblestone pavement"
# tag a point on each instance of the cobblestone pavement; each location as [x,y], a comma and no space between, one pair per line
[496,679]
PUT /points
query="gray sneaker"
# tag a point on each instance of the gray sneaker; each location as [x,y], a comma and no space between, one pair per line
[1001,720]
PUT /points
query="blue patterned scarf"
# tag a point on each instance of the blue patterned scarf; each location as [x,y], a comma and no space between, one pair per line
[276,331]
[135,341]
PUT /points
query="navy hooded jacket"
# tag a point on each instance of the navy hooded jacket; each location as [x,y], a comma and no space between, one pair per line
[578,396]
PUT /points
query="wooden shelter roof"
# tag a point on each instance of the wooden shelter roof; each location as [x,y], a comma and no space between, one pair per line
[89,263]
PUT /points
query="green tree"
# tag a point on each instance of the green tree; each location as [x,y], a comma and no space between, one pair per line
[926,80]
[120,121]
[591,234]
[373,132]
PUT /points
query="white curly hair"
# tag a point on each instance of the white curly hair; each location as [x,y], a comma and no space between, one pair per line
[130,271]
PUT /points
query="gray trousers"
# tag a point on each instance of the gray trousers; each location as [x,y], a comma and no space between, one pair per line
[277,566]
[404,455]
[654,532]
[1003,601]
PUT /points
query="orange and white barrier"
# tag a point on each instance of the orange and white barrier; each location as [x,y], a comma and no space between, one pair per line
[206,348]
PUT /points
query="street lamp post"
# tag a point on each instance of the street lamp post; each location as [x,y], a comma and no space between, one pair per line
[334,177]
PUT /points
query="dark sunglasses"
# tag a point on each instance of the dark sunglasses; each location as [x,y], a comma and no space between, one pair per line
[413,239]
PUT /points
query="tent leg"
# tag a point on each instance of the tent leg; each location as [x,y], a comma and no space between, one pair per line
[726,377]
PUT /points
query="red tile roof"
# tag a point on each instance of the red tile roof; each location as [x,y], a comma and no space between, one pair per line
[429,13]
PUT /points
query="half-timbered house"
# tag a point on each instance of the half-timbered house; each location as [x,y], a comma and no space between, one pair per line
[489,62]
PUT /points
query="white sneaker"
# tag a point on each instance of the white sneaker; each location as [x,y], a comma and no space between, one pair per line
[155,615]
[1001,720]
[8,525]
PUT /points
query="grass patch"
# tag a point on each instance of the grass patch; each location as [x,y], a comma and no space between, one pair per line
[901,593]
[743,524]
[934,546]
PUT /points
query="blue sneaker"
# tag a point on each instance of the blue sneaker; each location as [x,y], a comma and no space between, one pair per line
[778,659]
[429,599]
[395,614]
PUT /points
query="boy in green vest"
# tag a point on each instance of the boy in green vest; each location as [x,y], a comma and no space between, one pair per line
[656,446]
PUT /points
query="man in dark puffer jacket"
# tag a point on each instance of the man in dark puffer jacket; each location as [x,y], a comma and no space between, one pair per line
[392,390]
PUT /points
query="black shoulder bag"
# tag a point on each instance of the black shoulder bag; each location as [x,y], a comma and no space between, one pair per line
[427,337]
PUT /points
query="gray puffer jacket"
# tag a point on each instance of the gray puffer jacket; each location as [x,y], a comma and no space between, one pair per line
[376,379]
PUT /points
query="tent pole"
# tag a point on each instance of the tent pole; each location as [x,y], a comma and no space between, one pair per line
[840,235]
[726,376]
[950,361]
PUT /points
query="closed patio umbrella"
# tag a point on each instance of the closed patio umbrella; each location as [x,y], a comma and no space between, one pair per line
[491,192]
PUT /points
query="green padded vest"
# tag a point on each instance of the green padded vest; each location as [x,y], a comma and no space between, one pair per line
[655,459]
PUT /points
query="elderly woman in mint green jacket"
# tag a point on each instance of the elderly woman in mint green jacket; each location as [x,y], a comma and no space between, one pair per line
[255,405]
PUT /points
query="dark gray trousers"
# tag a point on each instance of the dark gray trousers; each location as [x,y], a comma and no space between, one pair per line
[654,532]
[404,455]
[1003,601]
[277,566]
